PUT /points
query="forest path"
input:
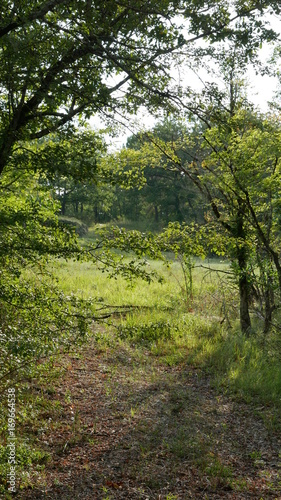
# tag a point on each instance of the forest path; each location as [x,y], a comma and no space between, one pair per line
[134,428]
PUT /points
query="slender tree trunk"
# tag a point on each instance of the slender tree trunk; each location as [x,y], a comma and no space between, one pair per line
[177,208]
[96,213]
[63,206]
[278,267]
[241,254]
[245,320]
[267,298]
[156,214]
[268,309]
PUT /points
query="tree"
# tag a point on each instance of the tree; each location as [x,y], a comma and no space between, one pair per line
[36,319]
[239,177]
[69,164]
[67,58]
[166,195]
[231,154]
[61,62]
[235,164]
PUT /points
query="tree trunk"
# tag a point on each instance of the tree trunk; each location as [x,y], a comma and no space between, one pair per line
[245,320]
[177,208]
[63,205]
[268,310]
[244,288]
[96,214]
[278,267]
[156,214]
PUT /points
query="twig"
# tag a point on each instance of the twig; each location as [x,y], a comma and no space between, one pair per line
[216,270]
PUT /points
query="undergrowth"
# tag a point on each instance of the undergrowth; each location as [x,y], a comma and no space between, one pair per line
[176,330]
[201,329]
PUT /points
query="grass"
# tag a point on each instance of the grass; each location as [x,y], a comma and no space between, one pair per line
[36,412]
[84,279]
[201,329]
[166,326]
[87,281]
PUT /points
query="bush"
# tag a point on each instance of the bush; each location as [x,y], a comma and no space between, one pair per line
[146,334]
[80,228]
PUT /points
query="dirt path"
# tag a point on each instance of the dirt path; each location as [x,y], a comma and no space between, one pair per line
[132,428]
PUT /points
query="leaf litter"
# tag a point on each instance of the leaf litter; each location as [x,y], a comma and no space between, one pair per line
[132,427]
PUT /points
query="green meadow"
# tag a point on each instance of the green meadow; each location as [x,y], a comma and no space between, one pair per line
[198,326]
[189,321]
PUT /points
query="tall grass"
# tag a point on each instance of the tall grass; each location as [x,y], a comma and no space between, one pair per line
[202,329]
[174,328]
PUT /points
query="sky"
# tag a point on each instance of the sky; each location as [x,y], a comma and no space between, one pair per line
[260,91]
[263,87]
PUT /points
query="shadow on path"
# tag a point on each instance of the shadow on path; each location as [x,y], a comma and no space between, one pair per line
[136,430]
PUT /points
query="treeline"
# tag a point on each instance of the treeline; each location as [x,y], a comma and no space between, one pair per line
[156,195]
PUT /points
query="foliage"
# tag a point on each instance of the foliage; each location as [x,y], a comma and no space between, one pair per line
[66,60]
[44,86]
[80,228]
[26,457]
[145,334]
[37,319]
[43,89]
[69,164]
[234,163]
[166,195]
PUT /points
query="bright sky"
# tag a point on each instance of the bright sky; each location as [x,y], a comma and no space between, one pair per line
[263,87]
[261,91]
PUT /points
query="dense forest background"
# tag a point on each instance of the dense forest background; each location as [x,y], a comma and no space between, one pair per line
[158,196]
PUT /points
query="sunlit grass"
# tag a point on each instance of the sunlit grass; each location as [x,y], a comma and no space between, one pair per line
[86,280]
[169,325]
[164,329]
[201,328]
